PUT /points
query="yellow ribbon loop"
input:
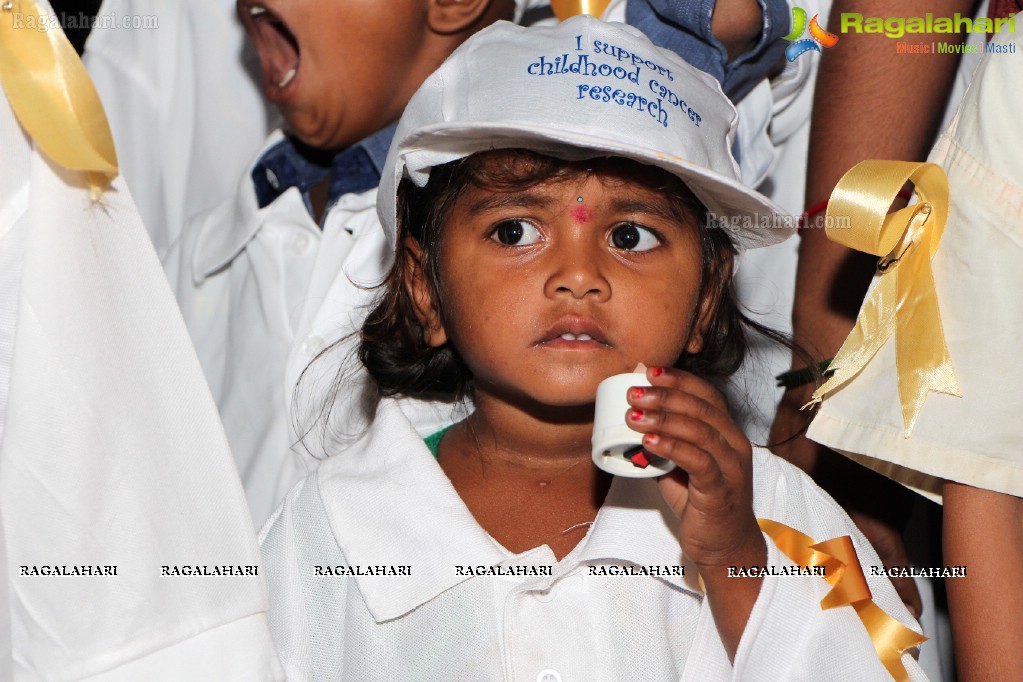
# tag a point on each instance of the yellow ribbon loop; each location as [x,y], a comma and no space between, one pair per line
[848,587]
[903,302]
[563,9]
[52,95]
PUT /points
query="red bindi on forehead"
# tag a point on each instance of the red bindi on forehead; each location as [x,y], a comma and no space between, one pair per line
[581,214]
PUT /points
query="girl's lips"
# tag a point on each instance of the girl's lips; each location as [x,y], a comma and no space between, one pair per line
[562,343]
[574,333]
[276,45]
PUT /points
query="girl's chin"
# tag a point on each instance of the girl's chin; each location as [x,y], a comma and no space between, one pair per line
[555,409]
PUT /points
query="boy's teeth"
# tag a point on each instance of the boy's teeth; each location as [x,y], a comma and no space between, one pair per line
[287,77]
[583,337]
[256,10]
[568,336]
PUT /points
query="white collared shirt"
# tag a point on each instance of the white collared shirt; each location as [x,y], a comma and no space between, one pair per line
[384,503]
[263,291]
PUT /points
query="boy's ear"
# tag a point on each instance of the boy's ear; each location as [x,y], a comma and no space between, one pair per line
[424,298]
[709,304]
[448,17]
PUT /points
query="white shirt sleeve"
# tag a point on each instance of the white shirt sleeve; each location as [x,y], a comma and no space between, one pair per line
[789,636]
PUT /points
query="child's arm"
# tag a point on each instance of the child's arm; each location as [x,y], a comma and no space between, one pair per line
[984,532]
[687,421]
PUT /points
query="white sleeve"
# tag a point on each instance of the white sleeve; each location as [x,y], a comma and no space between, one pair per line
[288,625]
[223,653]
[789,636]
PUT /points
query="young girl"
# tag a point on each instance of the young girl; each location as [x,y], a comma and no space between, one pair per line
[548,196]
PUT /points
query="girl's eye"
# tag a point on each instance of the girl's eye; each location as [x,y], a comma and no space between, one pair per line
[632,237]
[516,233]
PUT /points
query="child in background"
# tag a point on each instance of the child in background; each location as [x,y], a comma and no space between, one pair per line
[548,202]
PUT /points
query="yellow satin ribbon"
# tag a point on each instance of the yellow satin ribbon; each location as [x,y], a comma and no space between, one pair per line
[563,9]
[52,95]
[848,587]
[903,302]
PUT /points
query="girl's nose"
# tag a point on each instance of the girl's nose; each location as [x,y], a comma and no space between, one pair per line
[577,274]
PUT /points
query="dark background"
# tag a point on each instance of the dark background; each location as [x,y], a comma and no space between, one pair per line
[74,8]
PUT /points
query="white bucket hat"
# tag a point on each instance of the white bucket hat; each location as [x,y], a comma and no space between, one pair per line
[576,90]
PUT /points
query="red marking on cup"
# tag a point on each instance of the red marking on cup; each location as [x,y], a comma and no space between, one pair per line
[640,459]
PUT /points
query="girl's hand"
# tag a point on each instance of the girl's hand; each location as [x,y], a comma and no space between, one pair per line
[686,420]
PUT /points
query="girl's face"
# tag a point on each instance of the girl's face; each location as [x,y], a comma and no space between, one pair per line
[546,291]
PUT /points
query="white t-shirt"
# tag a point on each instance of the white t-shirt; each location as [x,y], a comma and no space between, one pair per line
[263,292]
[418,609]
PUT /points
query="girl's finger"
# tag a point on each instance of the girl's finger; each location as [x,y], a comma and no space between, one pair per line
[703,469]
[687,383]
[673,431]
[658,401]
[694,431]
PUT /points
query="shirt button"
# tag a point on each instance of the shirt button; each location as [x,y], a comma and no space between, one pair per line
[544,596]
[311,346]
[271,177]
[300,244]
[548,675]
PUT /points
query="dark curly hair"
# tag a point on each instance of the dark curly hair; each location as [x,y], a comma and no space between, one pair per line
[393,347]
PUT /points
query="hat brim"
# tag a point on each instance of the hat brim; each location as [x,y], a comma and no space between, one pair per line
[752,219]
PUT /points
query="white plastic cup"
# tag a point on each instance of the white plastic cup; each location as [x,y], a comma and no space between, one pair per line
[612,437]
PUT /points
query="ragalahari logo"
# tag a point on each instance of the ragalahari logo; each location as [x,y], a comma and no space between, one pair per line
[818,36]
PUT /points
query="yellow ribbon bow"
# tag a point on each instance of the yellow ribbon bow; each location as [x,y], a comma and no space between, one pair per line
[848,587]
[903,302]
[52,95]
[563,9]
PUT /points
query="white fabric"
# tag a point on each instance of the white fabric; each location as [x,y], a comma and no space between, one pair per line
[16,152]
[973,439]
[184,104]
[263,291]
[111,452]
[386,502]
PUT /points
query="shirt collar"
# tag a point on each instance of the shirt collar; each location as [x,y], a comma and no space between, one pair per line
[226,230]
[389,503]
[290,164]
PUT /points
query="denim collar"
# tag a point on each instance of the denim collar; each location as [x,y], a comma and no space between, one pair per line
[290,164]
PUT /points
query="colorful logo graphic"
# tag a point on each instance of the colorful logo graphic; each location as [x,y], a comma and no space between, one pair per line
[818,36]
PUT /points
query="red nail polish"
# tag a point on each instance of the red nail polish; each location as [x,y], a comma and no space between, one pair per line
[638,392]
[657,371]
[650,439]
[636,415]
